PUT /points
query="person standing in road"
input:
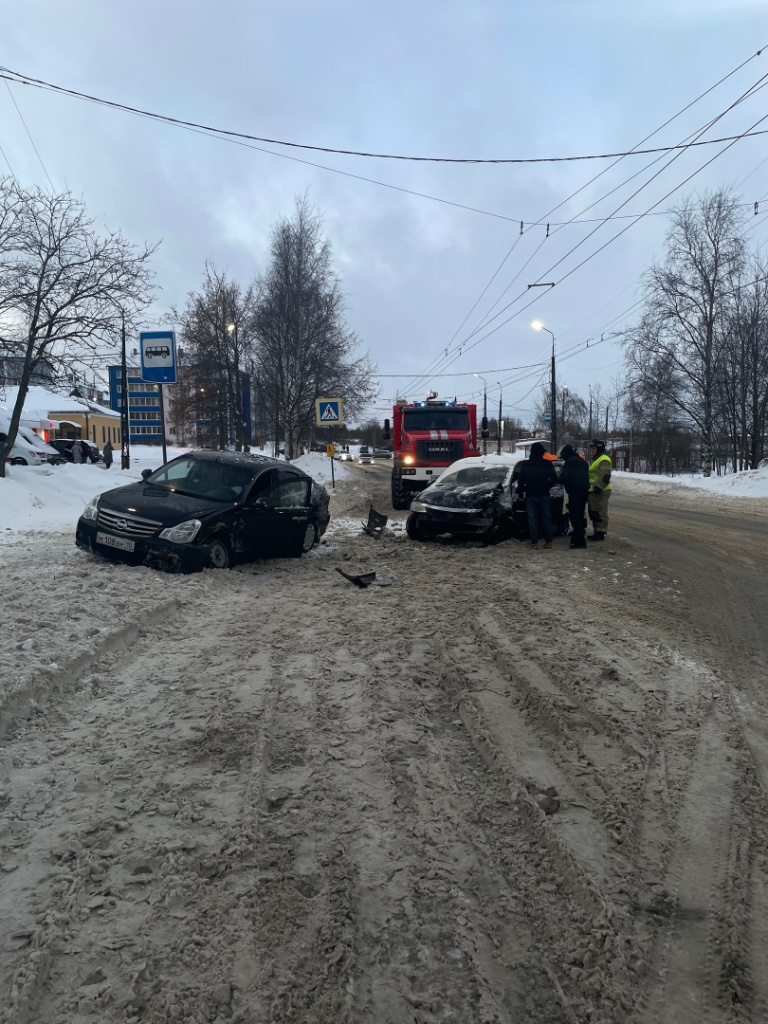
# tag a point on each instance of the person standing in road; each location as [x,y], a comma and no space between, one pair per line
[600,467]
[535,476]
[574,476]
[107,453]
[77,452]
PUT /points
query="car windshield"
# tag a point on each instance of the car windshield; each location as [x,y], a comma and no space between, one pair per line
[435,418]
[471,476]
[199,478]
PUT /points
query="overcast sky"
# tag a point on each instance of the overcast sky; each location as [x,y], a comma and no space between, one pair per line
[459,78]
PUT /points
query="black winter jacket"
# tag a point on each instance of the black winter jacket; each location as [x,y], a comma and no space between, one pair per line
[574,476]
[535,477]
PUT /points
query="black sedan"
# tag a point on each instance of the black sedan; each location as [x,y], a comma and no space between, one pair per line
[63,445]
[472,498]
[207,509]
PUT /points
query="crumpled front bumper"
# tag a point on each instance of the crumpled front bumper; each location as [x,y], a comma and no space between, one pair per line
[151,551]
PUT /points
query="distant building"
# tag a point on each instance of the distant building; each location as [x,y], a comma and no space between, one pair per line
[51,414]
[12,364]
[145,424]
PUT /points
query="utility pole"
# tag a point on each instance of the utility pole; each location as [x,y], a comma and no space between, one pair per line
[554,400]
[125,430]
[498,422]
[484,424]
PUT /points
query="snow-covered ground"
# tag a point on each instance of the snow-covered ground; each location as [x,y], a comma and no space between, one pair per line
[487,781]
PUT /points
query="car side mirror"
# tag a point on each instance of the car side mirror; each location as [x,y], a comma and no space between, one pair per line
[146,473]
[387,431]
[484,428]
[261,503]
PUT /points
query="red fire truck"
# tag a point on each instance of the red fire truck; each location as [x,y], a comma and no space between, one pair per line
[427,437]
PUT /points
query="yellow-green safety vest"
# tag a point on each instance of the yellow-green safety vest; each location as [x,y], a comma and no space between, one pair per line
[597,470]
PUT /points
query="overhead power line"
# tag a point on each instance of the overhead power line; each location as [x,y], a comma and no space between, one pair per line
[22,79]
[464,346]
[29,134]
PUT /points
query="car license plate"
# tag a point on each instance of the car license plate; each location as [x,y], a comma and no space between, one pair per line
[115,542]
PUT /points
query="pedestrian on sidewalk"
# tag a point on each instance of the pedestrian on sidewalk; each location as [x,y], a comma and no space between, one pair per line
[107,453]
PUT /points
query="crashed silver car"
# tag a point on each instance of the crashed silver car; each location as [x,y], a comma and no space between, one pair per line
[471,498]
[477,497]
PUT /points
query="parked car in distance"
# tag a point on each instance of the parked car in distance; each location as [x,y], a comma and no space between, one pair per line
[46,451]
[207,509]
[383,453]
[23,454]
[64,445]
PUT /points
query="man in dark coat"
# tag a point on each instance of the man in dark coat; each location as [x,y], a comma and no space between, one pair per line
[535,476]
[574,476]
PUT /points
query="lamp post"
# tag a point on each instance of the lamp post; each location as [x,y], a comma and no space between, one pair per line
[498,422]
[484,426]
[537,325]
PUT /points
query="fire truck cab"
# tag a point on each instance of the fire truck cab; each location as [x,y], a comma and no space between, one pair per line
[428,437]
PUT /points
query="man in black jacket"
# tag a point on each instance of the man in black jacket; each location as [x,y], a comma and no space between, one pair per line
[535,476]
[574,476]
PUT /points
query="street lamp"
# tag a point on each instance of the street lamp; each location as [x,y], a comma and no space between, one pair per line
[537,325]
[484,425]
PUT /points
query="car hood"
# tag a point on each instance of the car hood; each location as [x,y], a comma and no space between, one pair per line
[156,503]
[456,496]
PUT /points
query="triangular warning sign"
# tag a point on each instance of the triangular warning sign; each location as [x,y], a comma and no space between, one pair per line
[329,413]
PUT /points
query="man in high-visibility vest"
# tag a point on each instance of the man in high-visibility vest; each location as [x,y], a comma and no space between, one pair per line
[600,467]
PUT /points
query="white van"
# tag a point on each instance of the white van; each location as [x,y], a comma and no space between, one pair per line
[23,453]
[47,451]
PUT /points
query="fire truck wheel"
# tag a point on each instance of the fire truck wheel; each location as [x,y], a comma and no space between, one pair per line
[415,529]
[401,495]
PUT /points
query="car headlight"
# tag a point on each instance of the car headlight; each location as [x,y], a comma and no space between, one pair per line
[418,506]
[408,460]
[92,508]
[184,533]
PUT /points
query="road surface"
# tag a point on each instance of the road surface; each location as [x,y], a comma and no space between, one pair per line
[499,785]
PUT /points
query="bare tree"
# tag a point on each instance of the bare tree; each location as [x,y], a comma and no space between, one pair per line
[217,329]
[62,286]
[684,324]
[304,348]
[742,387]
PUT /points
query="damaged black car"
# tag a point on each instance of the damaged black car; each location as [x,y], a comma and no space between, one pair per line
[207,509]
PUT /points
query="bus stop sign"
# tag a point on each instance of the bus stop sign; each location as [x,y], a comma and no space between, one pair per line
[158,356]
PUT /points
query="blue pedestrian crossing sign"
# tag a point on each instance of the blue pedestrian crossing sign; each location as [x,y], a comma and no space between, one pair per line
[328,412]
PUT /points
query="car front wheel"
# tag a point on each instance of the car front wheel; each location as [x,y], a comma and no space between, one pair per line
[18,462]
[415,528]
[219,556]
